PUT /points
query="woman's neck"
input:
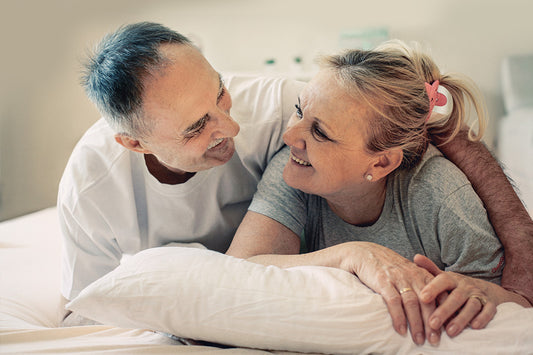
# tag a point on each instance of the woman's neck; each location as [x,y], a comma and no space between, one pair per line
[361,208]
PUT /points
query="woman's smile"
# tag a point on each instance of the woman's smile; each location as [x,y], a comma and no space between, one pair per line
[299,161]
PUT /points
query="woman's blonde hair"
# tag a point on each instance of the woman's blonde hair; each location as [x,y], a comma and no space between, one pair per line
[391,80]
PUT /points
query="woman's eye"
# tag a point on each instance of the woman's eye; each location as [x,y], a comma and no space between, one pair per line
[299,111]
[317,132]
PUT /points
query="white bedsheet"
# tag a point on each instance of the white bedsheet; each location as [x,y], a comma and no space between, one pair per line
[31,307]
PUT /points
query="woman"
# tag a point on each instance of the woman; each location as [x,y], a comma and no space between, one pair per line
[360,179]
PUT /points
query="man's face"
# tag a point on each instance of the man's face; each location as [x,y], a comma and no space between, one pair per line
[188,106]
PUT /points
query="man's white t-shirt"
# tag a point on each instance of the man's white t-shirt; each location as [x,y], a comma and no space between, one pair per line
[110,205]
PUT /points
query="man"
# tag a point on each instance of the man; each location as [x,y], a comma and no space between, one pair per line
[179,171]
[169,164]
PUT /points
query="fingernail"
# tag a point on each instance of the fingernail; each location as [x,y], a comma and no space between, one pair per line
[452,330]
[475,324]
[434,338]
[434,323]
[419,338]
[403,329]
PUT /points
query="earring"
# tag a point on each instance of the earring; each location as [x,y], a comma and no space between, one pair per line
[369,177]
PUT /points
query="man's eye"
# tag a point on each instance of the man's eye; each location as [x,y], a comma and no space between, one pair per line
[197,129]
[221,95]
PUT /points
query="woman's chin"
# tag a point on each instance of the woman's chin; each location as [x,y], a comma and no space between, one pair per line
[296,181]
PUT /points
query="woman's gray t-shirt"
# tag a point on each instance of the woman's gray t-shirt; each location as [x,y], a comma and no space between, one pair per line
[431,209]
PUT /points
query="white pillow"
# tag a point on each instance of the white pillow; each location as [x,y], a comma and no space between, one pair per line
[205,295]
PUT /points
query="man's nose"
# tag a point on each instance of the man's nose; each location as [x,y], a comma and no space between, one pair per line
[226,125]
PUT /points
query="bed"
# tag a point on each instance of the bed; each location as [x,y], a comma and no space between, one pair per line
[515,133]
[211,300]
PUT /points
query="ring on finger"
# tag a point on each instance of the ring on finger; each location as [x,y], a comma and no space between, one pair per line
[407,289]
[480,298]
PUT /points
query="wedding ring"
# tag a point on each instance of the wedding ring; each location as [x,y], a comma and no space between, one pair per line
[407,289]
[480,298]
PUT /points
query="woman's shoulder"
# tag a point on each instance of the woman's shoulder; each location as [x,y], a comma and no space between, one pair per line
[433,180]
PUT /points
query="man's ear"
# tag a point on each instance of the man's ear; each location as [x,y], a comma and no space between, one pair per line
[131,143]
[386,162]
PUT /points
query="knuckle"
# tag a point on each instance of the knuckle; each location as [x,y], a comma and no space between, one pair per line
[382,277]
[410,302]
[395,300]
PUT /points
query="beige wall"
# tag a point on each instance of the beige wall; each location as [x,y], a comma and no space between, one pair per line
[43,111]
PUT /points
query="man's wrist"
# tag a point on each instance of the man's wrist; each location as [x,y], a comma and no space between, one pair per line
[521,294]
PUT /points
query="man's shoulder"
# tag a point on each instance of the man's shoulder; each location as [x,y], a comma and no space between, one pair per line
[258,99]
[262,106]
[97,146]
[250,83]
[94,158]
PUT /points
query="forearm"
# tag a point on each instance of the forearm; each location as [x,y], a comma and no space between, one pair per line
[507,214]
[509,296]
[504,208]
[497,293]
[329,257]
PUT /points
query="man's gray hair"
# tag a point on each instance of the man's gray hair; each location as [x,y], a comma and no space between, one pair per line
[114,73]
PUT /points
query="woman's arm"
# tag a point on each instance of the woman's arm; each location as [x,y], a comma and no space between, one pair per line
[507,214]
[262,240]
[258,234]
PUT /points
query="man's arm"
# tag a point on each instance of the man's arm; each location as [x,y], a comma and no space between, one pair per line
[507,214]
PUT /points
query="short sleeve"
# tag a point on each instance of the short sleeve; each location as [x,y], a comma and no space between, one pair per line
[275,199]
[453,224]
[469,244]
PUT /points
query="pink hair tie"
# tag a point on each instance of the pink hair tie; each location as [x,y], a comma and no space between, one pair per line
[440,102]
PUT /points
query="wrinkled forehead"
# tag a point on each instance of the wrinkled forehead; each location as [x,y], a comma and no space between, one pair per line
[326,95]
[182,58]
[332,102]
[183,88]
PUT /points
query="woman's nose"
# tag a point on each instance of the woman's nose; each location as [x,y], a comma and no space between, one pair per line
[293,133]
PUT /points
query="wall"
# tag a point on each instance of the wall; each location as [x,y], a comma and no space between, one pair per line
[43,111]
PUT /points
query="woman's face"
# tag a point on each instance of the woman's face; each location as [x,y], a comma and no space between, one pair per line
[327,136]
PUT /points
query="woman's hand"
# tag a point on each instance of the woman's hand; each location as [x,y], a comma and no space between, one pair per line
[462,300]
[399,281]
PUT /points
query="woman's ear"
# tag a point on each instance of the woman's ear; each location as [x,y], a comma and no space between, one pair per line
[385,163]
[131,143]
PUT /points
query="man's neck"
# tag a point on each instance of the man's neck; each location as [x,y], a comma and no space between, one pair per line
[163,174]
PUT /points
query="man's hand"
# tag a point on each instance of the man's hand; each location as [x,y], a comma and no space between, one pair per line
[463,300]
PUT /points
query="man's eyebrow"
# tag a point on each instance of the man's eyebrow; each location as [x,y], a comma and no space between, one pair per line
[220,86]
[202,121]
